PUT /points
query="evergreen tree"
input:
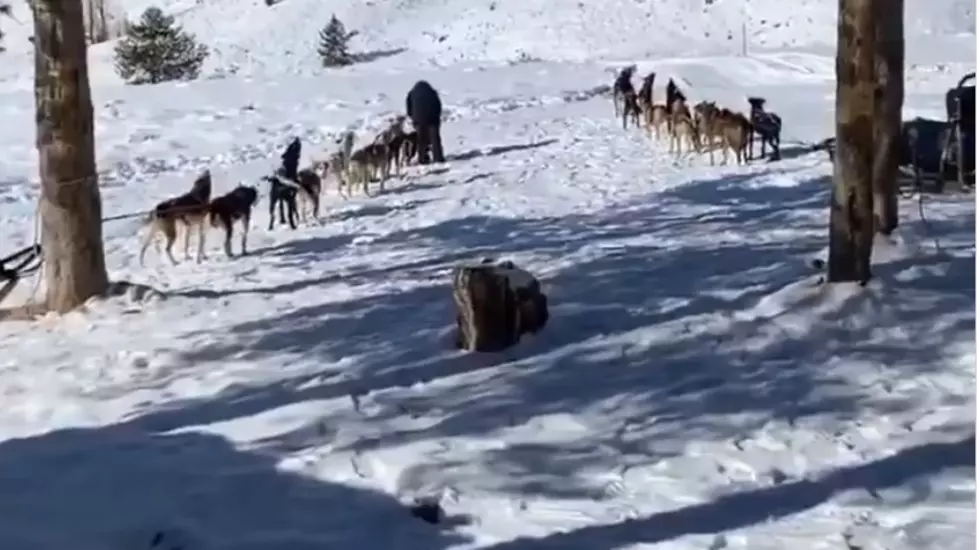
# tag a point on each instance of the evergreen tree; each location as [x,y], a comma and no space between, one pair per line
[158,50]
[334,40]
[6,11]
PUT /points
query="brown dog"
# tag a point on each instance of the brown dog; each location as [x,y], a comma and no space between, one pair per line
[190,210]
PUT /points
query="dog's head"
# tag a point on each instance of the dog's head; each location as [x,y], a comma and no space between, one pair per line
[248,193]
[345,142]
[201,189]
[757,102]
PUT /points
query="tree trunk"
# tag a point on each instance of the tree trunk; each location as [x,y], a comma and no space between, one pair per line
[851,209]
[890,66]
[71,209]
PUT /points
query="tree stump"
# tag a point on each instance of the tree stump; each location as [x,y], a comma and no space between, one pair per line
[496,304]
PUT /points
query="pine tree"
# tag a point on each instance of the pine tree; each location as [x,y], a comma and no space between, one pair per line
[5,10]
[334,40]
[158,50]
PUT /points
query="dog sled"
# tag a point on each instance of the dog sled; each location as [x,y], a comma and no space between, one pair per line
[18,265]
[940,151]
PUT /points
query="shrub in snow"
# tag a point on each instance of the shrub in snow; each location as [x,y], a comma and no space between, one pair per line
[334,40]
[156,49]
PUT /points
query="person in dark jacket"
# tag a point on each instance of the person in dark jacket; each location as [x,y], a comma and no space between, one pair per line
[290,160]
[424,108]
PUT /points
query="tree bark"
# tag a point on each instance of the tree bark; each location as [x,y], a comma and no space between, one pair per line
[890,68]
[495,305]
[71,208]
[851,210]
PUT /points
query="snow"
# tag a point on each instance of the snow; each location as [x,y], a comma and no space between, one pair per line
[695,388]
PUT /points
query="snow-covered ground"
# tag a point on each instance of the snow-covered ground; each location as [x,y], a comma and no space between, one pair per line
[695,388]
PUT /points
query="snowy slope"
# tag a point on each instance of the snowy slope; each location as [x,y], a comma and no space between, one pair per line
[248,37]
[695,389]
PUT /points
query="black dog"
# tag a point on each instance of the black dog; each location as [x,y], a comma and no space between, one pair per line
[424,108]
[290,159]
[410,146]
[768,125]
[236,205]
[282,193]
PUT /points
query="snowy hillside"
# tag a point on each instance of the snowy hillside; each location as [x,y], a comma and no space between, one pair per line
[695,389]
[249,37]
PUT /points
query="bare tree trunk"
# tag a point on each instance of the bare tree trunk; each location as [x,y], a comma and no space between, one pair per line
[890,65]
[71,209]
[89,14]
[103,22]
[851,209]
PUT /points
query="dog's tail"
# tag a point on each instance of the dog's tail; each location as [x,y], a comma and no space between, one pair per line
[347,148]
[150,218]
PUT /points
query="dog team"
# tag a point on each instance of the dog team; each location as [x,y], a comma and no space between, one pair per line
[292,189]
[705,127]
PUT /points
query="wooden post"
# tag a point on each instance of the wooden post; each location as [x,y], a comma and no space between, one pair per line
[851,209]
[71,209]
[890,64]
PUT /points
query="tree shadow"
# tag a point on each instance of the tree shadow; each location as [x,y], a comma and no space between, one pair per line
[790,151]
[374,55]
[761,505]
[377,210]
[701,319]
[499,150]
[117,488]
[410,187]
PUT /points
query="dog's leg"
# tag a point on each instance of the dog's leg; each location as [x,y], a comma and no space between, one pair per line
[187,240]
[384,174]
[149,238]
[272,211]
[201,237]
[340,186]
[292,213]
[246,224]
[301,201]
[228,224]
[169,230]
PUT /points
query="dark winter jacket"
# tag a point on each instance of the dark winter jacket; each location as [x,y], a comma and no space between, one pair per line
[624,80]
[422,105]
[290,159]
